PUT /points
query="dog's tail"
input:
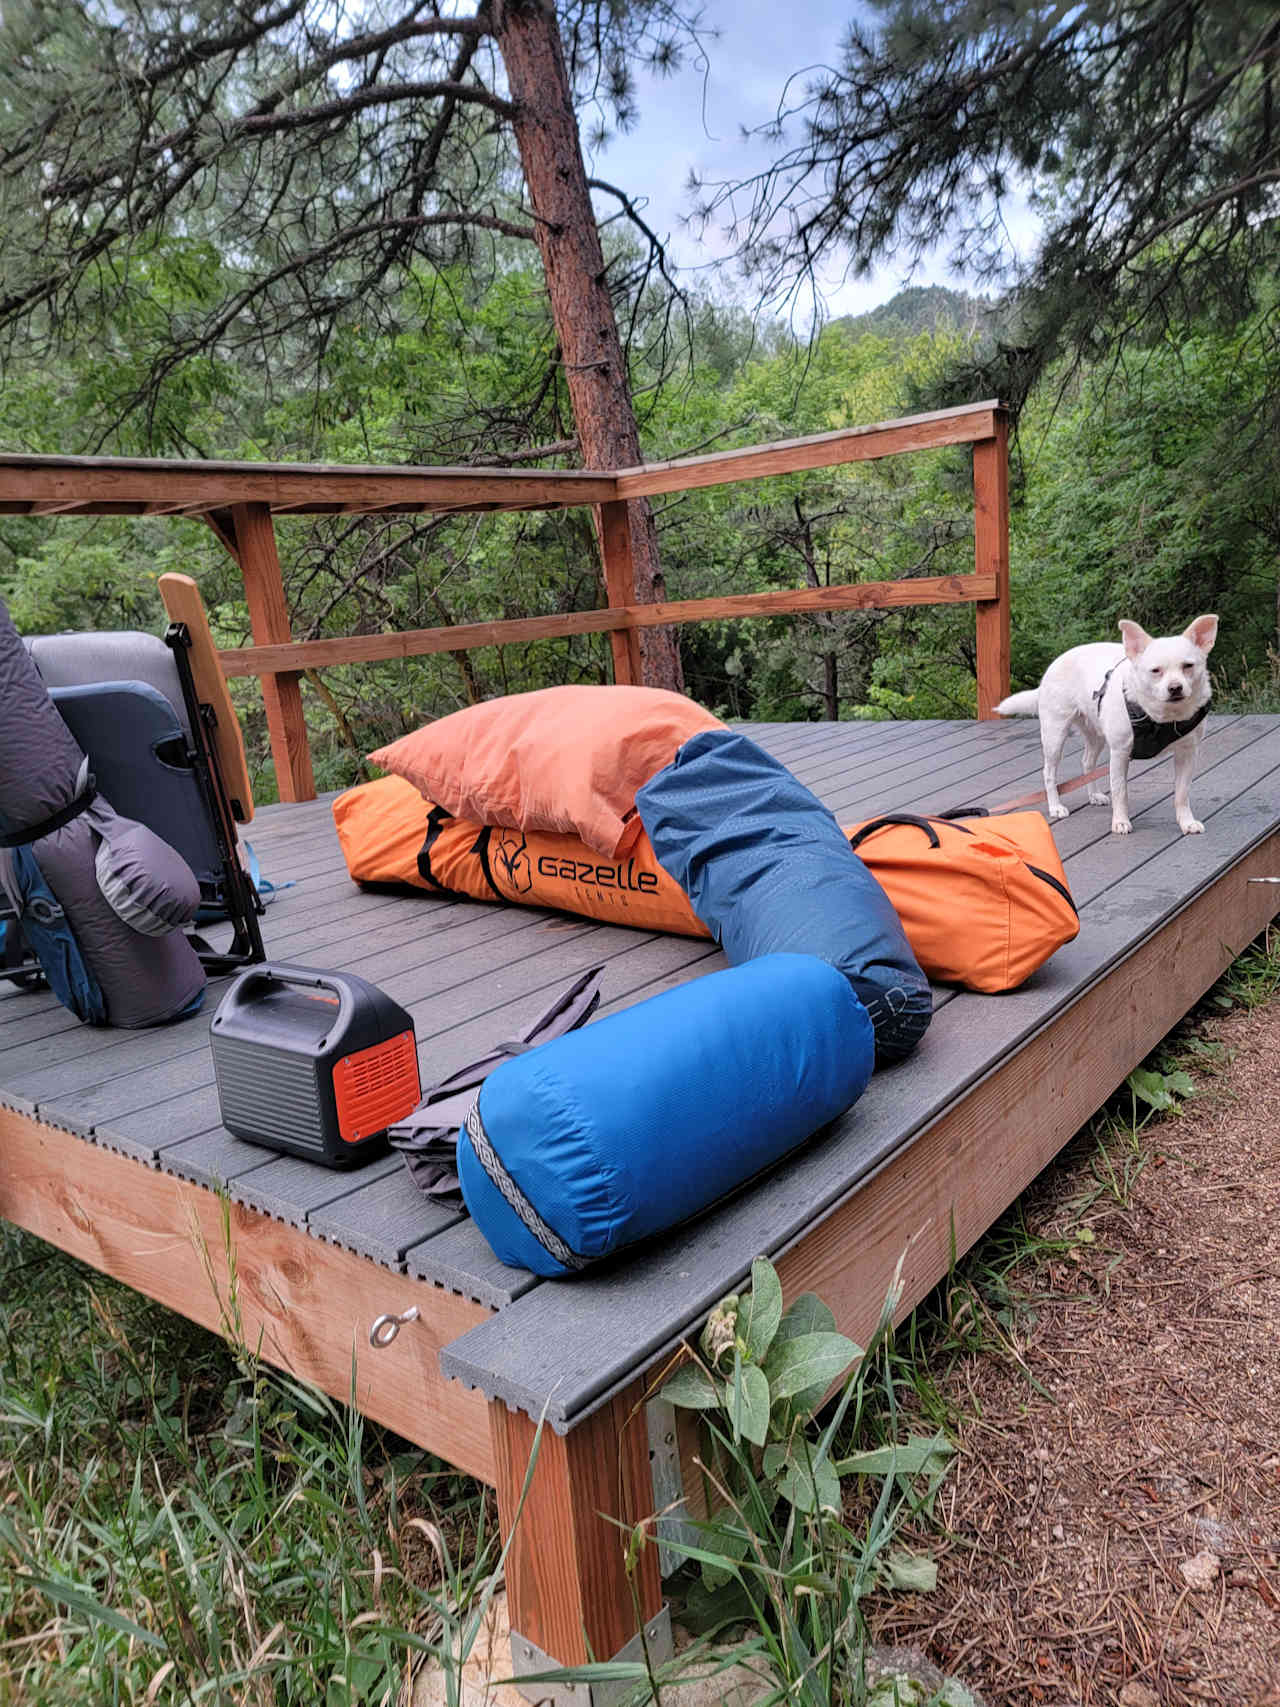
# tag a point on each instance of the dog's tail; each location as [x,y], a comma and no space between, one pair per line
[1019,704]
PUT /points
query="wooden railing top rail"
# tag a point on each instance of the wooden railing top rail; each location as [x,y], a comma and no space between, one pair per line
[966,425]
[123,485]
[95,486]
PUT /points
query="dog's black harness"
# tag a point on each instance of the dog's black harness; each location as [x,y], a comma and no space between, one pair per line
[1149,737]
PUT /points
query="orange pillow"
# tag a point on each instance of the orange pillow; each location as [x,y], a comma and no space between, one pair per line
[566,759]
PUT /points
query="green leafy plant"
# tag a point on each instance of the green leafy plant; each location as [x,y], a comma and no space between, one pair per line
[778,1552]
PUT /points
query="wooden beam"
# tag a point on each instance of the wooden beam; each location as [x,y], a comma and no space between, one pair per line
[418,642]
[112,485]
[991,558]
[567,1585]
[952,1181]
[818,450]
[269,617]
[224,529]
[620,588]
[307,1305]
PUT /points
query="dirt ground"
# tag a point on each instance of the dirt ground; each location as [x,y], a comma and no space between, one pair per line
[1114,1514]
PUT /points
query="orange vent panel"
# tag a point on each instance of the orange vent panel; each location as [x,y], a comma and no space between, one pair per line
[375,1087]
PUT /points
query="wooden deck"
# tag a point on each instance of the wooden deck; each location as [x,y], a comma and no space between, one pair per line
[111,1139]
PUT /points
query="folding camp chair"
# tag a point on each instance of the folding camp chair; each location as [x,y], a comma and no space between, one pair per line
[163,742]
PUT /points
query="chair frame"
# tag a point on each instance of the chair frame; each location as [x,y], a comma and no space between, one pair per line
[243,903]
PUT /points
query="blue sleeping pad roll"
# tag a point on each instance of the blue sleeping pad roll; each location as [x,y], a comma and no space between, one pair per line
[613,1133]
[768,870]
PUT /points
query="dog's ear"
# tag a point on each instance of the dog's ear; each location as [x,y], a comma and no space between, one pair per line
[1136,638]
[1203,632]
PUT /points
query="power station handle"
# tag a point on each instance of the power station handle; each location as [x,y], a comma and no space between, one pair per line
[297,977]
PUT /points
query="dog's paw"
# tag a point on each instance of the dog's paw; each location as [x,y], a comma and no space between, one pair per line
[1191,826]
[1097,798]
[1120,826]
[1056,812]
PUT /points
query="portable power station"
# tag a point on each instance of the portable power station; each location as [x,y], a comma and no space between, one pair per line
[316,1063]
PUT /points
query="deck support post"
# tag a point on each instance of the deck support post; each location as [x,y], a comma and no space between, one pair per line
[991,557]
[620,587]
[570,1595]
[255,543]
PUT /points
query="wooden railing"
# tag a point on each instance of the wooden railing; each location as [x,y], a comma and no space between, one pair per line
[239,500]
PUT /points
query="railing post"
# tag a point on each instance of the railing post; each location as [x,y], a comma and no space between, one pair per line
[570,1595]
[991,557]
[269,616]
[620,587]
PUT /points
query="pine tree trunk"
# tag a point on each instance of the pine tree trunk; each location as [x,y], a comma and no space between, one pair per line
[546,130]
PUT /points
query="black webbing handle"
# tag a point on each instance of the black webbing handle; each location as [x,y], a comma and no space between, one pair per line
[889,818]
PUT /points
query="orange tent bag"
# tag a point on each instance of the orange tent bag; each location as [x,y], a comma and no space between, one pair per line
[390,834]
[984,901]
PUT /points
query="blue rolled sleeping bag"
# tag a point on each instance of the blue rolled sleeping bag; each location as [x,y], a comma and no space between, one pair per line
[613,1133]
[768,870]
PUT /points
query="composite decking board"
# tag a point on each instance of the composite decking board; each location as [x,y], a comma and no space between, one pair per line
[303,859]
[938,781]
[972,779]
[383,1219]
[473,1035]
[435,929]
[460,1258]
[291,1189]
[583,1339]
[824,738]
[302,907]
[45,1068]
[903,756]
[426,958]
[36,1023]
[801,738]
[812,737]
[164,1123]
[138,1150]
[824,759]
[213,1158]
[20,1104]
[424,930]
[866,794]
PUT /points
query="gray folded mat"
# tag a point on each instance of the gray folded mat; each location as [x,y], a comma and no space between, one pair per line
[99,898]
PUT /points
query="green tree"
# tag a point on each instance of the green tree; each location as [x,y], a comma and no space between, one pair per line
[323,154]
[1143,132]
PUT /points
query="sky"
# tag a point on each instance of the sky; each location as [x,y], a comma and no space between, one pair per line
[693,120]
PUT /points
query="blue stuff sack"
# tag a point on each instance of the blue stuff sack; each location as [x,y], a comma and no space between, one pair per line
[49,936]
[613,1133]
[768,870]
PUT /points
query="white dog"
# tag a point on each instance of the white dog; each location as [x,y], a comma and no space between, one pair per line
[1136,700]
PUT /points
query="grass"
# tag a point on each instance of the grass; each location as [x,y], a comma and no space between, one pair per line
[181,1524]
[178,1523]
